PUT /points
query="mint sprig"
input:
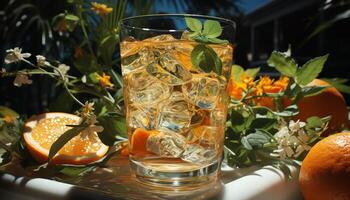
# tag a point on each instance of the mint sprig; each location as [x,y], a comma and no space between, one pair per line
[205,33]
[203,56]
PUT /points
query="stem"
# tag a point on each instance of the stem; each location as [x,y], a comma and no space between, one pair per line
[82,25]
[66,87]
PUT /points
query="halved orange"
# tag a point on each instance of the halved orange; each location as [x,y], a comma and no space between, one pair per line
[41,131]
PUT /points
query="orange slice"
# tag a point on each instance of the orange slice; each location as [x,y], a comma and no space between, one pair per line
[41,131]
[139,141]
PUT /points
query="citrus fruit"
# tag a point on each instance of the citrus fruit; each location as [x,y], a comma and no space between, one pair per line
[325,171]
[328,103]
[41,131]
[139,141]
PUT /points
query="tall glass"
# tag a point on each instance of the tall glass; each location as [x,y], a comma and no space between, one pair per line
[175,110]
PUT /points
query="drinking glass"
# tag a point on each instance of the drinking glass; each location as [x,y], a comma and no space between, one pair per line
[175,98]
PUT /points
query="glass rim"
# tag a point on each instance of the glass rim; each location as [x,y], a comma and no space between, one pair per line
[122,22]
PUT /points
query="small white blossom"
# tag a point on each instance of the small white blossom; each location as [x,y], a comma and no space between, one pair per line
[15,55]
[296,126]
[41,61]
[284,149]
[292,139]
[92,129]
[63,69]
[87,109]
[282,133]
[21,79]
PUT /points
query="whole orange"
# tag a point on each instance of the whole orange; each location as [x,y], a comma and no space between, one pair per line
[329,102]
[325,172]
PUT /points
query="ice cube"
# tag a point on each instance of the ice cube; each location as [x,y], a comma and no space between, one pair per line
[144,89]
[166,144]
[160,38]
[175,115]
[142,117]
[141,58]
[208,136]
[197,154]
[203,91]
[169,70]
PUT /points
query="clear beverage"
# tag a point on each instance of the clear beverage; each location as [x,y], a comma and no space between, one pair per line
[176,112]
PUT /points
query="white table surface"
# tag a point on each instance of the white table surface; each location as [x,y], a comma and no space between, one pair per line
[266,183]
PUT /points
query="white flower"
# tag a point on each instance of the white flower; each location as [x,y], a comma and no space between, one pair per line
[302,144]
[92,129]
[21,79]
[41,61]
[282,133]
[15,55]
[292,139]
[63,69]
[87,109]
[284,149]
[296,126]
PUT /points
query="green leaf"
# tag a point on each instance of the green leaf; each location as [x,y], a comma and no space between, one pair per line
[312,90]
[71,17]
[284,64]
[212,29]
[290,111]
[263,123]
[112,128]
[237,121]
[76,171]
[314,122]
[252,72]
[255,140]
[63,139]
[236,72]
[205,58]
[117,79]
[339,84]
[217,41]
[246,143]
[310,70]
[193,24]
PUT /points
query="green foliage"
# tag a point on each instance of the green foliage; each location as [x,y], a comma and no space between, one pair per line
[339,84]
[203,56]
[255,133]
[283,63]
[63,139]
[206,59]
[310,70]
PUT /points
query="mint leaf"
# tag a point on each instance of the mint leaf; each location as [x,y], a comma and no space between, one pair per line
[193,24]
[205,58]
[310,70]
[217,41]
[283,63]
[212,29]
